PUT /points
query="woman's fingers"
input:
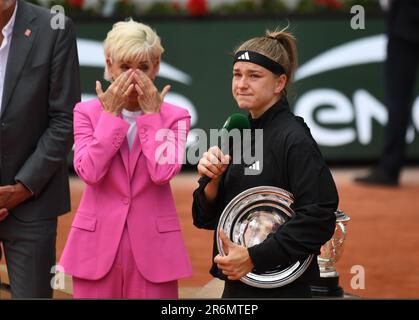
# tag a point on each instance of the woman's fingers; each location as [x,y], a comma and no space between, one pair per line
[146,85]
[121,83]
[216,152]
[139,91]
[226,159]
[228,273]
[141,79]
[203,171]
[213,158]
[164,92]
[99,90]
[144,79]
[223,158]
[211,167]
[213,163]
[216,156]
[114,84]
[129,90]
[127,80]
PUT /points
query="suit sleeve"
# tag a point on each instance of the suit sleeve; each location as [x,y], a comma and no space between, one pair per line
[95,147]
[163,144]
[55,143]
[313,224]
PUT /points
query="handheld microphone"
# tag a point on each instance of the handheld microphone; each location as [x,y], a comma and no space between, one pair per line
[235,121]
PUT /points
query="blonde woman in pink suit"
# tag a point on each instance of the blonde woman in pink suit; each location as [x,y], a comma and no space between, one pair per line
[125,240]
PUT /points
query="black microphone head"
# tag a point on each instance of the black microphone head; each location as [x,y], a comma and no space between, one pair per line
[237,121]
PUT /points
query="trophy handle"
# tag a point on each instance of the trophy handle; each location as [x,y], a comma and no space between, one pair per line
[342,227]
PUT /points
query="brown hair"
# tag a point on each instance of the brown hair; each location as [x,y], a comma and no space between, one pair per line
[278,45]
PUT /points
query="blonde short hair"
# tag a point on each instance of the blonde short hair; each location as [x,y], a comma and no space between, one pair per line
[128,40]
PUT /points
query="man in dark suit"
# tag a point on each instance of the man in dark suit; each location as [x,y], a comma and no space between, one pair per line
[39,86]
[400,75]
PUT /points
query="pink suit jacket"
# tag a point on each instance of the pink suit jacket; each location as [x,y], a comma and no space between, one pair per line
[130,187]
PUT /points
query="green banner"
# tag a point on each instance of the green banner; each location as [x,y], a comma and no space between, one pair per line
[339,86]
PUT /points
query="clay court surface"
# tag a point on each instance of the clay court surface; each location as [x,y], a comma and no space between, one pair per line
[382,240]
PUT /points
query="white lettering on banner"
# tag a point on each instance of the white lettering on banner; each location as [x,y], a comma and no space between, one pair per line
[339,112]
[415,113]
[338,109]
[357,52]
[367,108]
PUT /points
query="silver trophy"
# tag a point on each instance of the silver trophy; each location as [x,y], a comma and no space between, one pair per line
[249,218]
[330,253]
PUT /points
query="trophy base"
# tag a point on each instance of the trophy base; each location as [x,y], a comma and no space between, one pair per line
[327,288]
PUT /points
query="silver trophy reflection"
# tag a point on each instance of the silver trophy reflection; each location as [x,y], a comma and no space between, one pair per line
[330,253]
[258,225]
[249,218]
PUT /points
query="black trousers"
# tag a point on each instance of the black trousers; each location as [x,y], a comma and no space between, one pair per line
[29,249]
[238,289]
[400,74]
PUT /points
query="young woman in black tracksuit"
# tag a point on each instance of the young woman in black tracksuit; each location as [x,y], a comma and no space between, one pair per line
[291,160]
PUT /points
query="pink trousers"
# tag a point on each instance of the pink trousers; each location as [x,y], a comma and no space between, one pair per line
[124,281]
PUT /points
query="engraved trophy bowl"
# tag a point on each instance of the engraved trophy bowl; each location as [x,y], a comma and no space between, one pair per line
[330,253]
[248,220]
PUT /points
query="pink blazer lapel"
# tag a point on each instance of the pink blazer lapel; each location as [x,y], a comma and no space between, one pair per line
[134,155]
[125,155]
